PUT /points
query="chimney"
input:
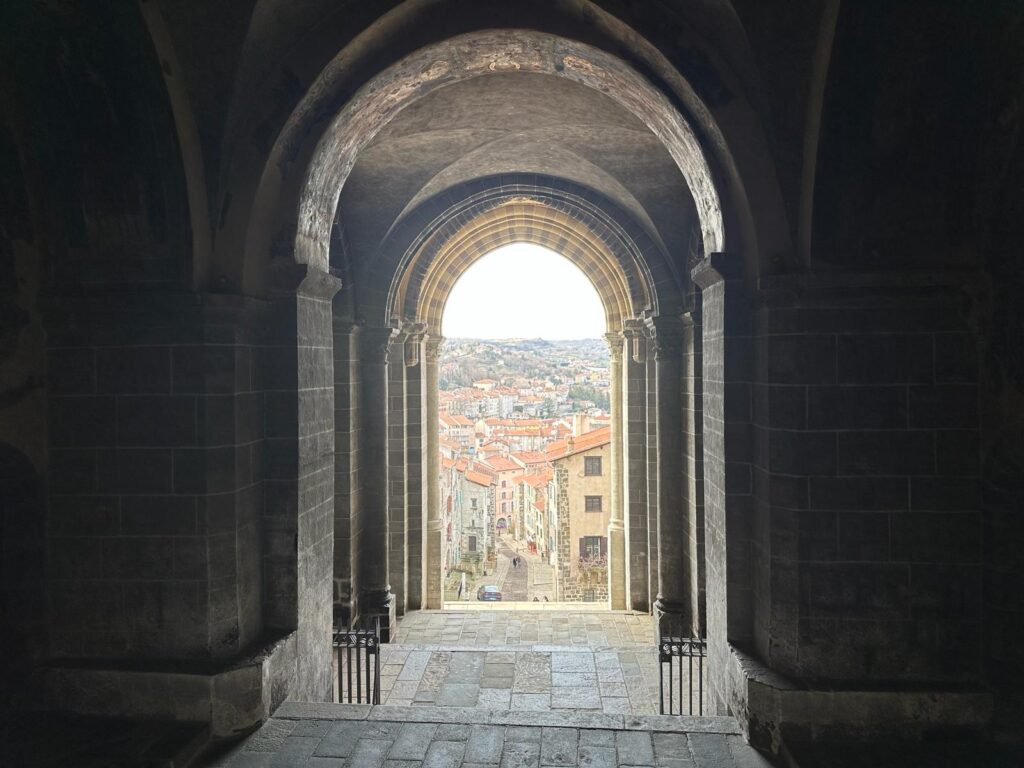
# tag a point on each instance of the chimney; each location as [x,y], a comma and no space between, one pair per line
[580,424]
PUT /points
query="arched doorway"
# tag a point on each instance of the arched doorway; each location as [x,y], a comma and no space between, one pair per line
[621,274]
[380,328]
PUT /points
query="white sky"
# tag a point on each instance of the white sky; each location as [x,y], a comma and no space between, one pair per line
[523,290]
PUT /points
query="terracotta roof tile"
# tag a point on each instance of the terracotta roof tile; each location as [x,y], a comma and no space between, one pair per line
[569,446]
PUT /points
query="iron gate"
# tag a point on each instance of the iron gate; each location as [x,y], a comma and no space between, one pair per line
[358,653]
[679,659]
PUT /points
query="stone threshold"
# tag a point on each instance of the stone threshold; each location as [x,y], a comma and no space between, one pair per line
[296,710]
[523,606]
[473,645]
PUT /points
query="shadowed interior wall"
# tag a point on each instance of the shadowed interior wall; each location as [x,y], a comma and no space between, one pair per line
[861,405]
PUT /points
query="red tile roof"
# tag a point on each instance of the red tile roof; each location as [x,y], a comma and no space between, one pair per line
[479,478]
[501,464]
[585,442]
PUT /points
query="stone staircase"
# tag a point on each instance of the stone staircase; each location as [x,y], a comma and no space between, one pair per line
[361,736]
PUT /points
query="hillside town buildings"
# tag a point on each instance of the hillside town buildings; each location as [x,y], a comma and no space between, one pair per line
[513,479]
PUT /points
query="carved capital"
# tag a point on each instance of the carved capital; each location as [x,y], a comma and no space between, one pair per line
[414,337]
[432,347]
[633,329]
[614,341]
[374,343]
[667,336]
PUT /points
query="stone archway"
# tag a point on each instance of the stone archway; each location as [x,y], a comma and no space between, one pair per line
[650,342]
[379,353]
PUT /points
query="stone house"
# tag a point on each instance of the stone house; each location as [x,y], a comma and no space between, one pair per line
[582,507]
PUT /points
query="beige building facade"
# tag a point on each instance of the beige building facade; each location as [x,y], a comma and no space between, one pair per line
[581,514]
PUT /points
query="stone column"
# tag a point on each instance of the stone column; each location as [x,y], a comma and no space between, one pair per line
[398,511]
[370,534]
[651,372]
[434,533]
[672,608]
[414,466]
[616,526]
[634,459]
[345,455]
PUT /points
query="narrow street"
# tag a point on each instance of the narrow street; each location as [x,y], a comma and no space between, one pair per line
[517,580]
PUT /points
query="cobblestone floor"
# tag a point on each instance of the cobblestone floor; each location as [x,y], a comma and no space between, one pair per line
[602,662]
[316,736]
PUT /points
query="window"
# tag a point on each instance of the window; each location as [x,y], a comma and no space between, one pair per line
[472,503]
[472,543]
[592,466]
[592,546]
[591,503]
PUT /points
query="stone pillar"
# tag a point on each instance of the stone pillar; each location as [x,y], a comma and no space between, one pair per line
[693,461]
[345,453]
[726,444]
[651,394]
[616,526]
[434,533]
[414,467]
[398,511]
[672,607]
[634,458]
[370,534]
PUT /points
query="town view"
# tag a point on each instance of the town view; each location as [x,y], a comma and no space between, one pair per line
[525,469]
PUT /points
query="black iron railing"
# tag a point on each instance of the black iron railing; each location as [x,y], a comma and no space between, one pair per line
[358,650]
[682,674]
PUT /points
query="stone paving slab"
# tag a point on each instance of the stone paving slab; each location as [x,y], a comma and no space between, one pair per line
[298,736]
[301,711]
[591,660]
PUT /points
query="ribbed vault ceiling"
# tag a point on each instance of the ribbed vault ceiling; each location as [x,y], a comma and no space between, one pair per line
[514,123]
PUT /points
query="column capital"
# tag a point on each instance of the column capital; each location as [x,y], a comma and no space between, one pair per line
[414,335]
[432,344]
[375,342]
[635,332]
[667,336]
[396,351]
[614,341]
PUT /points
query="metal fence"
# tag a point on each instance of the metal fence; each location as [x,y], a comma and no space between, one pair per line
[682,675]
[358,653]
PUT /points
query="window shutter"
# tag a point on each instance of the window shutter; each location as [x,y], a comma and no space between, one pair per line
[583,546]
[604,546]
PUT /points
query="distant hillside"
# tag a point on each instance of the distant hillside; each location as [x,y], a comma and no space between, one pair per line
[464,361]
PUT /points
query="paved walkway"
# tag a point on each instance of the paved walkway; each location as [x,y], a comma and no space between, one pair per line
[596,662]
[515,586]
[552,625]
[350,736]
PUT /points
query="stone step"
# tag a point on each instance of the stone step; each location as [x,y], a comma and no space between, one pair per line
[293,710]
[357,736]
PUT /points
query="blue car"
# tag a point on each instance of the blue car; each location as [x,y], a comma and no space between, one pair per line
[488,593]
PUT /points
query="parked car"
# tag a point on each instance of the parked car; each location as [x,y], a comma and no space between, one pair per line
[488,593]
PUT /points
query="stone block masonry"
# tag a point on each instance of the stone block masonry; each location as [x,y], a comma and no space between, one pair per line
[427,736]
[867,556]
[157,434]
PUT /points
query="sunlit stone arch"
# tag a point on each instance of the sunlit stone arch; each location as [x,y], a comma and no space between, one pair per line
[421,258]
[521,222]
[479,55]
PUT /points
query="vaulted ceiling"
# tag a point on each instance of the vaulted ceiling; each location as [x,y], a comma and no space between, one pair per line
[514,123]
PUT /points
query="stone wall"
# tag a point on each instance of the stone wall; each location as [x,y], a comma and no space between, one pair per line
[155,516]
[868,531]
